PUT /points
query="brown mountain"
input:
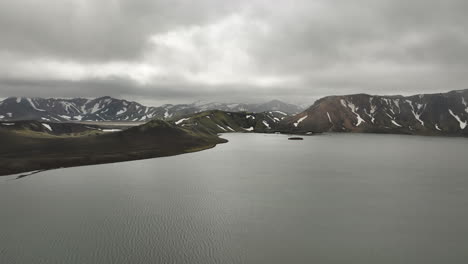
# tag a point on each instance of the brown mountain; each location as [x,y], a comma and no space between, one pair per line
[424,114]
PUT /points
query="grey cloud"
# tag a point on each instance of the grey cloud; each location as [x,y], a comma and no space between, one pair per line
[327,46]
[96,30]
[154,94]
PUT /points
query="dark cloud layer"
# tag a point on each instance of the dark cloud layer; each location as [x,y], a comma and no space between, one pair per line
[181,50]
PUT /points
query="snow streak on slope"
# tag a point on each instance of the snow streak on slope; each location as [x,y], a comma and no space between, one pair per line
[221,127]
[47,126]
[300,120]
[416,114]
[329,118]
[462,123]
[33,106]
[353,109]
[181,120]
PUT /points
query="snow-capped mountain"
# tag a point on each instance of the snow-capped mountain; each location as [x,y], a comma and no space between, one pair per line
[431,114]
[99,109]
[111,109]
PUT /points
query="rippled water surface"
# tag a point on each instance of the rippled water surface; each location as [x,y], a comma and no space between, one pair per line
[337,198]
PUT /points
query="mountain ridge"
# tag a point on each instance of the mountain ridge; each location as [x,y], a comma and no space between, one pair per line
[107,108]
[425,114]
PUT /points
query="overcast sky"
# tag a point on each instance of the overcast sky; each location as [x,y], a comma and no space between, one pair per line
[177,51]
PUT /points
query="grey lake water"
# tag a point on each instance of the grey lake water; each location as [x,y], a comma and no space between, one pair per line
[336,198]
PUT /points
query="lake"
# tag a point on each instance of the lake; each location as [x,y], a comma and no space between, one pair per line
[333,198]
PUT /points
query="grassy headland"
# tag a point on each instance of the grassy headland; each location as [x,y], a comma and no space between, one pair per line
[26,150]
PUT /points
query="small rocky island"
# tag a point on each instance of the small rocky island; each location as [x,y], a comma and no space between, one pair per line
[295,138]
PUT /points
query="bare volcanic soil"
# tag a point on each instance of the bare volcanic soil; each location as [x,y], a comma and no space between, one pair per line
[21,152]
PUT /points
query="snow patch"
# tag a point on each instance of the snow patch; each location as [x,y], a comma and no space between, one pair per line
[95,108]
[437,127]
[300,120]
[122,111]
[181,120]
[329,118]
[18,100]
[33,106]
[65,117]
[397,103]
[369,115]
[83,107]
[166,114]
[373,107]
[221,127]
[343,103]
[228,127]
[416,114]
[111,130]
[462,124]
[464,103]
[353,109]
[8,124]
[396,124]
[47,126]
[265,123]
[249,129]
[68,106]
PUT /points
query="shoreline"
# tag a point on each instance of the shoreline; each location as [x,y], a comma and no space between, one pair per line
[44,164]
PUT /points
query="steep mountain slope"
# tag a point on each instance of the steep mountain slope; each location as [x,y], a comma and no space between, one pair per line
[427,114]
[111,109]
[36,150]
[215,121]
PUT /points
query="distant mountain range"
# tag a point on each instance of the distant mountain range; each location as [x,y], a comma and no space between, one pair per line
[111,109]
[43,144]
[424,114]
